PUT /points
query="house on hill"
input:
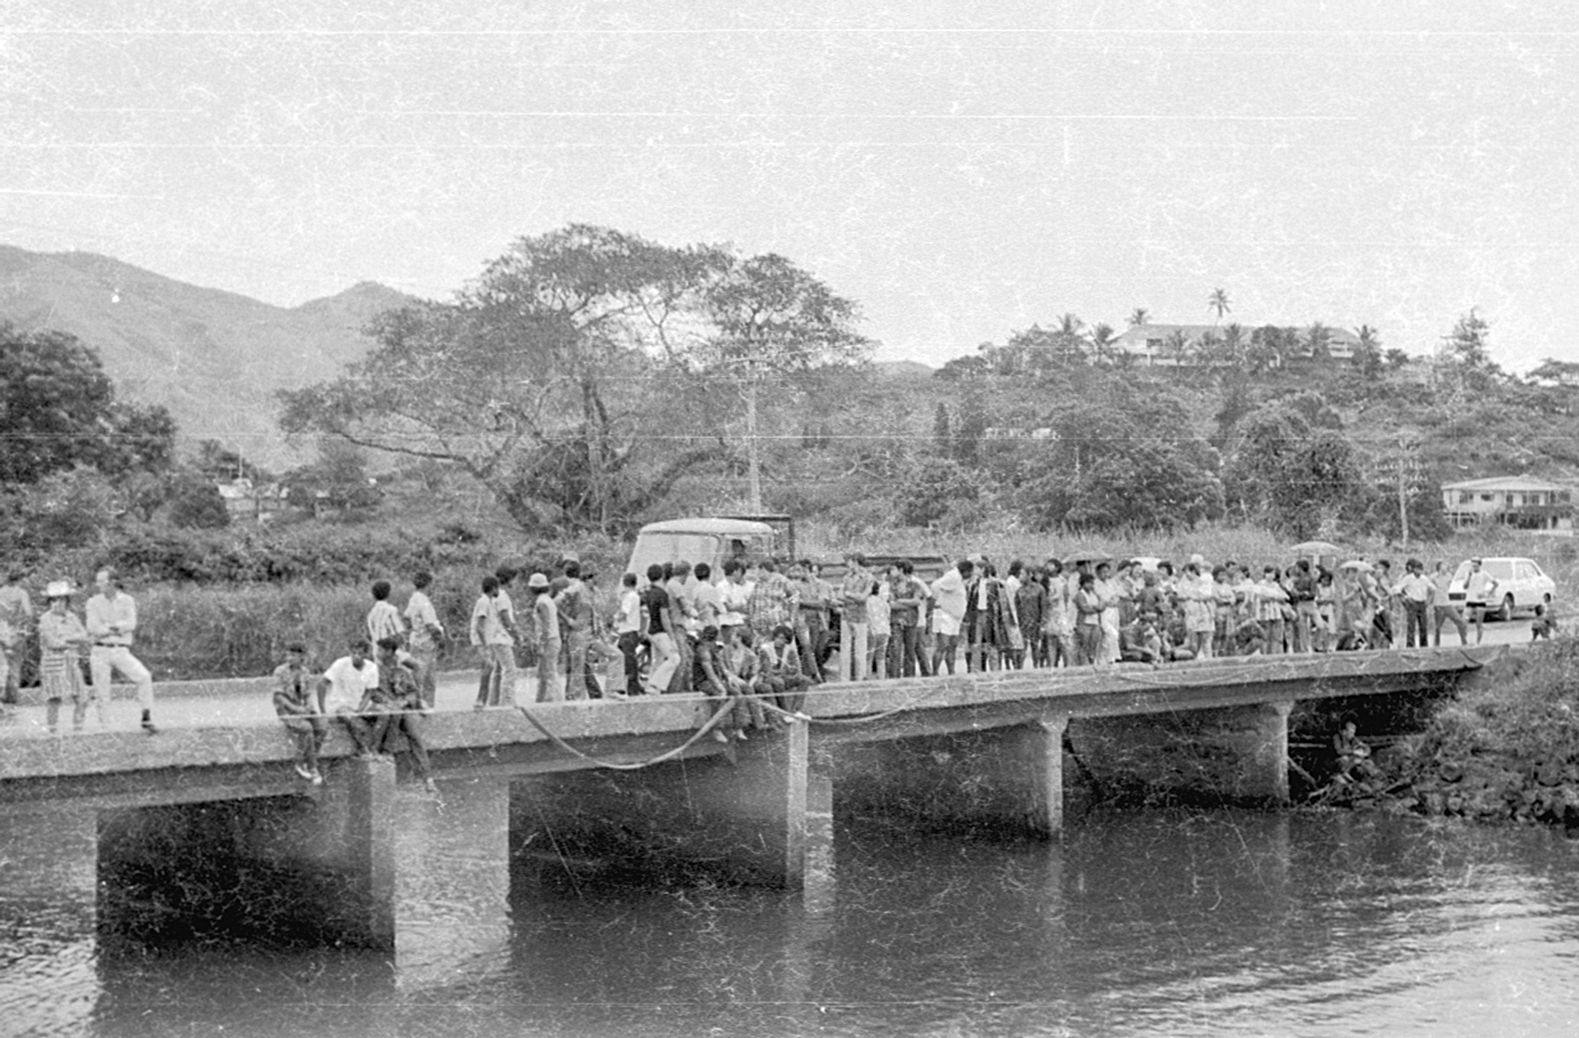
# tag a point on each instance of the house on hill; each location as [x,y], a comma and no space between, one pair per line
[246,500]
[1158,344]
[1517,501]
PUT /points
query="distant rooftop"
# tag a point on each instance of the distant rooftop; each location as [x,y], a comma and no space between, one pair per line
[1510,484]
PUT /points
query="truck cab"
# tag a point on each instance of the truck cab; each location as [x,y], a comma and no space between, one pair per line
[713,540]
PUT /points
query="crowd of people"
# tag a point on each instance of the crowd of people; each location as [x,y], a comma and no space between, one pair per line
[758,634]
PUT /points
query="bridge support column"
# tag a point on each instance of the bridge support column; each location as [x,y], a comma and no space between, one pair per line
[1002,780]
[739,815]
[1220,755]
[293,870]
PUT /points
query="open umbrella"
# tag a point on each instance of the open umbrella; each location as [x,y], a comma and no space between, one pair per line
[1358,566]
[1091,557]
[1314,549]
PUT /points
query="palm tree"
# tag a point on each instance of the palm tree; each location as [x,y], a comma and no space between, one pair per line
[1368,351]
[1102,343]
[1218,301]
[1233,349]
[1138,316]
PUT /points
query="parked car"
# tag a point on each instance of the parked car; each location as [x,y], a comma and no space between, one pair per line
[1520,585]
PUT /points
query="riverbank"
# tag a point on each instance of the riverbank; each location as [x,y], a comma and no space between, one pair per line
[1505,750]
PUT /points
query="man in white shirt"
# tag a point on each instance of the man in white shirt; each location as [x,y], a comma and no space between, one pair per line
[426,635]
[627,626]
[1415,591]
[342,688]
[111,623]
[948,592]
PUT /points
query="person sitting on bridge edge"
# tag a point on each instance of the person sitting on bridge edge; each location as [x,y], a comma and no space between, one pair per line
[293,703]
[396,700]
[61,639]
[341,689]
[710,678]
[111,622]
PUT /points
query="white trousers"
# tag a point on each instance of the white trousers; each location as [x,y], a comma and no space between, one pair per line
[102,659]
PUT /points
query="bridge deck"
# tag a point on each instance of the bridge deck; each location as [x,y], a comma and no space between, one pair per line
[252,758]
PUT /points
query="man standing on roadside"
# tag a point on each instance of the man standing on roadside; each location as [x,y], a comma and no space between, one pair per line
[296,709]
[1479,589]
[427,633]
[492,630]
[773,603]
[111,623]
[627,627]
[909,594]
[383,620]
[16,612]
[550,683]
[1443,607]
[574,606]
[1415,592]
[853,593]
[949,592]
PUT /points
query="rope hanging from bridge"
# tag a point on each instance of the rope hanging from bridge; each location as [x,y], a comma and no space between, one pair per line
[701,733]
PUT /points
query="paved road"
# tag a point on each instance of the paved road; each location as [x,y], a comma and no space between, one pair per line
[457,691]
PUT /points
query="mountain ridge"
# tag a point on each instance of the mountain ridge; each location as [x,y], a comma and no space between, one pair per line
[214,357]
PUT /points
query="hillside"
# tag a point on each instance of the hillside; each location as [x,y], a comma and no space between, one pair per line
[213,358]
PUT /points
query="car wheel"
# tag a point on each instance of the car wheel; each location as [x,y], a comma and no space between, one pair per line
[1506,612]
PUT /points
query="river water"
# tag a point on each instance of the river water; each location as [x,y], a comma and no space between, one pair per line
[1145,922]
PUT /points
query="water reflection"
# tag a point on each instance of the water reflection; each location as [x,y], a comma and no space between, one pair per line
[1174,923]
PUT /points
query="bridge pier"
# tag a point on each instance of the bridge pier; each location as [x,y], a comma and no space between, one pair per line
[739,815]
[1007,780]
[289,869]
[1236,755]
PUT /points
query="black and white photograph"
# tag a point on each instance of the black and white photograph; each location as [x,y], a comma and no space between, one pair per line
[612,520]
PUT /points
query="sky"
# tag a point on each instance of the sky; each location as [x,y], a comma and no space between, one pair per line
[961,171]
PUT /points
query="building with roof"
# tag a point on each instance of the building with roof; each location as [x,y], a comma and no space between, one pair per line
[1155,344]
[1521,502]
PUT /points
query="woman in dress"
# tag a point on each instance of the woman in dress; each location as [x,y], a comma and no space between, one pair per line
[1057,621]
[62,641]
[1195,589]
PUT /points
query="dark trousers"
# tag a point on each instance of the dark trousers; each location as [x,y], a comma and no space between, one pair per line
[629,642]
[911,652]
[1414,623]
[409,723]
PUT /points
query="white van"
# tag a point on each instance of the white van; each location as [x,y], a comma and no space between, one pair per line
[709,540]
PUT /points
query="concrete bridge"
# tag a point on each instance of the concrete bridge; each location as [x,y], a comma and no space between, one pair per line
[209,826]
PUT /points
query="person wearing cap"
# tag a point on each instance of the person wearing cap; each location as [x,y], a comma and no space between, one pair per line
[112,623]
[853,629]
[550,682]
[62,639]
[1480,588]
[298,712]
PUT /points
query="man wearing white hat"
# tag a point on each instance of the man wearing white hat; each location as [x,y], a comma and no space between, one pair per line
[550,683]
[112,620]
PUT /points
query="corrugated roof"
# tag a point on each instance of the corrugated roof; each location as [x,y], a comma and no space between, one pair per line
[1504,483]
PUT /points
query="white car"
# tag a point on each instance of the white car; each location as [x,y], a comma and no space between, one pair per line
[1520,585]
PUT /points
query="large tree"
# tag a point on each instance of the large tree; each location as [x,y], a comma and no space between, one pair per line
[771,323]
[540,379]
[58,410]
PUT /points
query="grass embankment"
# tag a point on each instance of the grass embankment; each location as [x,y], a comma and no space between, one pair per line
[1505,750]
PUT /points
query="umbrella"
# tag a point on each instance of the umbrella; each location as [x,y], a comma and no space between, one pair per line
[1091,557]
[1314,549]
[1358,566]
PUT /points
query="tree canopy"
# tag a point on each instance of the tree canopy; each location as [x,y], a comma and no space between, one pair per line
[58,410]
